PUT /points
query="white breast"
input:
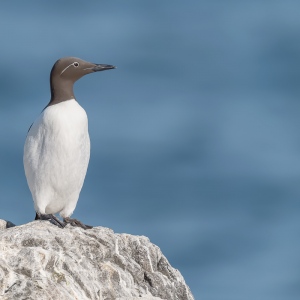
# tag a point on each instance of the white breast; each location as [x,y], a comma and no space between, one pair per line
[56,156]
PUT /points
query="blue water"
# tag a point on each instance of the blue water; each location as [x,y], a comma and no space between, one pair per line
[195,137]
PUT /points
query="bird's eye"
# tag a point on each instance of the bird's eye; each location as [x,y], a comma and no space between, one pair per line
[76,64]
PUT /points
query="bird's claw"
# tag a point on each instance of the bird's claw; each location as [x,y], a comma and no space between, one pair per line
[51,218]
[76,223]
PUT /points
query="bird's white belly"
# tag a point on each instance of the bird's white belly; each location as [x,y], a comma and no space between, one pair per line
[56,156]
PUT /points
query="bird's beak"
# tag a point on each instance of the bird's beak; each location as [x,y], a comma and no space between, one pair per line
[102,67]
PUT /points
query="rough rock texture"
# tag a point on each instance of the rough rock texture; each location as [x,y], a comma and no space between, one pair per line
[5,224]
[41,261]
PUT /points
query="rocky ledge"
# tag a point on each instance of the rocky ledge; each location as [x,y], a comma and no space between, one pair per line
[41,261]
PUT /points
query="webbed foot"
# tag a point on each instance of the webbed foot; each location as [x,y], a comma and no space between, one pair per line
[51,218]
[76,223]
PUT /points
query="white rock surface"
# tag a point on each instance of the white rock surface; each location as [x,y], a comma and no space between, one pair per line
[5,224]
[41,261]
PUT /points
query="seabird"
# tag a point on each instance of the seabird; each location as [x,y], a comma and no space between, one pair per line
[57,146]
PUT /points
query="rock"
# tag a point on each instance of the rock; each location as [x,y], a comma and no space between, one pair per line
[41,261]
[5,224]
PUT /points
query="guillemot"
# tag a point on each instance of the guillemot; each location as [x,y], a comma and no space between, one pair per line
[57,146]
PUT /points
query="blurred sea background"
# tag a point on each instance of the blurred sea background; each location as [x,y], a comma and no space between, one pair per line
[195,136]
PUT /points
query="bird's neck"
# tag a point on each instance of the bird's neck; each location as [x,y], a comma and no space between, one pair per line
[61,90]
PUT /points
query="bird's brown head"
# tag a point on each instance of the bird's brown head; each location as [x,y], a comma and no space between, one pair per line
[65,72]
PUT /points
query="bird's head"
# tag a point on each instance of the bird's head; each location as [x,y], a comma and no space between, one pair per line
[73,68]
[65,72]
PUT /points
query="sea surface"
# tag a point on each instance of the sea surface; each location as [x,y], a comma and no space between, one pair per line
[195,136]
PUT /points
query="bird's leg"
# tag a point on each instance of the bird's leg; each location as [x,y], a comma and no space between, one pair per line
[51,218]
[76,223]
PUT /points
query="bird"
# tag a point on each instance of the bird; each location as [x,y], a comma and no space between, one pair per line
[57,146]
